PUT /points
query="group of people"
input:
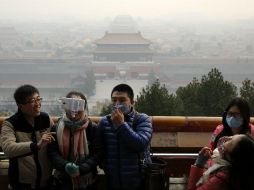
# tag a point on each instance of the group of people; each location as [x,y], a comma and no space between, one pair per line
[71,148]
[228,162]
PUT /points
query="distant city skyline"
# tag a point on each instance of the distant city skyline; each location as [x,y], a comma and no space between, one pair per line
[67,10]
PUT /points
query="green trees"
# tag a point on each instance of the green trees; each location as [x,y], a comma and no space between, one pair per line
[106,109]
[247,92]
[215,93]
[207,97]
[155,100]
[188,98]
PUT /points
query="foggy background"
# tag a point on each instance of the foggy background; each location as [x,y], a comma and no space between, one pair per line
[53,44]
[51,10]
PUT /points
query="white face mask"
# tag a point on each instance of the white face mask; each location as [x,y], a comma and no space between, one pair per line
[73,105]
[234,122]
[124,108]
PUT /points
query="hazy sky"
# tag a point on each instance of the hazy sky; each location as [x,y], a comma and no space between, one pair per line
[147,9]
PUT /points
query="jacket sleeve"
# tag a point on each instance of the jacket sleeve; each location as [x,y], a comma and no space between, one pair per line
[96,151]
[54,154]
[9,145]
[252,129]
[138,139]
[215,181]
[214,135]
[195,175]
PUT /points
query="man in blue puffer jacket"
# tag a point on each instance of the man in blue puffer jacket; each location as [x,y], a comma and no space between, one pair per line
[126,135]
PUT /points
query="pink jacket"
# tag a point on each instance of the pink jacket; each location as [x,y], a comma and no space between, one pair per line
[217,131]
[216,181]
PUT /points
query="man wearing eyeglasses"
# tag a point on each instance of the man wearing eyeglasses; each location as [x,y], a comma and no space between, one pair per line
[25,136]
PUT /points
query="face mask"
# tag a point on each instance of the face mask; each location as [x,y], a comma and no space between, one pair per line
[234,122]
[220,145]
[217,159]
[73,105]
[125,109]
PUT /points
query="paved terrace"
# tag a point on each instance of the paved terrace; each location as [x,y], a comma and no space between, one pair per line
[177,139]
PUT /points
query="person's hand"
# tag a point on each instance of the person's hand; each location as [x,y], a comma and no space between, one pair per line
[205,151]
[203,155]
[46,139]
[117,117]
[72,169]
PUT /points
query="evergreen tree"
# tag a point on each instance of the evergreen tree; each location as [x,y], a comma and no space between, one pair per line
[106,109]
[215,93]
[188,97]
[247,92]
[155,100]
[209,97]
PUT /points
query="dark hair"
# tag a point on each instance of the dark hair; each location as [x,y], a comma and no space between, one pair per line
[124,88]
[244,108]
[23,92]
[76,93]
[241,173]
[80,94]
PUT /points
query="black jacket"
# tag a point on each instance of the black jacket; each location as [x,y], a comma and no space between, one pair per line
[89,164]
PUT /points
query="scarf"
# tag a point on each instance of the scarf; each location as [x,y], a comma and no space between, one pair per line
[77,143]
[219,163]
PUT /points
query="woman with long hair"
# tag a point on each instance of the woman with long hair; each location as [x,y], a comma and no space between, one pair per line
[77,150]
[232,168]
[235,120]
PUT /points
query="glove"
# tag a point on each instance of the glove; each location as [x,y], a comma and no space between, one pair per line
[201,160]
[71,168]
[204,154]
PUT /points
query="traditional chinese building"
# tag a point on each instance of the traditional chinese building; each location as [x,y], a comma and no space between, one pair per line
[123,54]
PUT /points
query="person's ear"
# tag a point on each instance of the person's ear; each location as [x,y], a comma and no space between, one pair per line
[132,102]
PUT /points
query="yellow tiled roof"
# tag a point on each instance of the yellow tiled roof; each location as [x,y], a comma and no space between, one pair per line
[122,38]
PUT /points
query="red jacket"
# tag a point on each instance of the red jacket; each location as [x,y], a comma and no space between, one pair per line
[216,181]
[217,131]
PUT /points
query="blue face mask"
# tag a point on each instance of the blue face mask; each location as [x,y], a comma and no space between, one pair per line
[125,109]
[234,122]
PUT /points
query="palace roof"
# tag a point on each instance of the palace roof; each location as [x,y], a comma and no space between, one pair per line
[122,38]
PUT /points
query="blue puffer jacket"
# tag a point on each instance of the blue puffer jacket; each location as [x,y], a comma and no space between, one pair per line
[123,147]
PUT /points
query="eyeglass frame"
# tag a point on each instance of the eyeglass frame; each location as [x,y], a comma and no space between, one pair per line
[34,100]
[233,114]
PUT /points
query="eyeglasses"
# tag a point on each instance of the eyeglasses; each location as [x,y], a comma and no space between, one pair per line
[34,100]
[234,114]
